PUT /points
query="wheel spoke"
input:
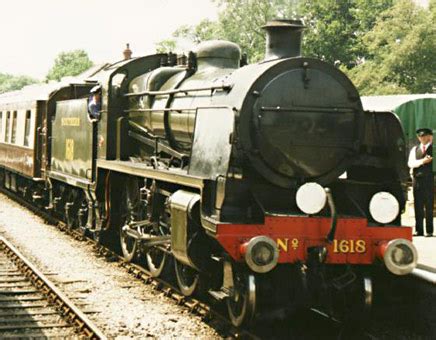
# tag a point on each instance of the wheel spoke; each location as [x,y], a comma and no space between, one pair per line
[156,258]
[128,245]
[156,261]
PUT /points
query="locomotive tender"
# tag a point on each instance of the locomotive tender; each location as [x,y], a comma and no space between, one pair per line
[266,185]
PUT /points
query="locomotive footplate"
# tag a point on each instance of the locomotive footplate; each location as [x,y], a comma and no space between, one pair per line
[177,176]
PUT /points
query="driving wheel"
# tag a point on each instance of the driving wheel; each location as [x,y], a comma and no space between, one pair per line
[187,278]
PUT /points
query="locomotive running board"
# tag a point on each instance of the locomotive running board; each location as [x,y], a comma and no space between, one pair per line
[142,170]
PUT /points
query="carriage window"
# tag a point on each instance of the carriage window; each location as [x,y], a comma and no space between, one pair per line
[27,128]
[1,126]
[14,127]
[7,127]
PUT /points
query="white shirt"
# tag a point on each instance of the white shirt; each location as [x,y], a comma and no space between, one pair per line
[413,162]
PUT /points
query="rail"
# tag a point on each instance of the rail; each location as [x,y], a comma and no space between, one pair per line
[195,306]
[70,313]
[424,273]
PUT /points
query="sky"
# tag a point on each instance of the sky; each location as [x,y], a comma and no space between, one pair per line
[33,33]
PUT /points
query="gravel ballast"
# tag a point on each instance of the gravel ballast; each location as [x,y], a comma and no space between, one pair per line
[127,308]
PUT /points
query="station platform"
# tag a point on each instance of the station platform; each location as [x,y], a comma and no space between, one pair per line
[426,246]
[426,251]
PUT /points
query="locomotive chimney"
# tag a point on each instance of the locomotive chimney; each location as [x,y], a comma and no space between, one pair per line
[127,52]
[283,38]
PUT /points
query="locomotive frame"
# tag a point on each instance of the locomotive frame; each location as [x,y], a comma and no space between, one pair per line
[152,177]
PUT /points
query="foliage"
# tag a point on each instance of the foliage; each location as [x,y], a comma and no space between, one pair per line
[9,82]
[370,79]
[241,21]
[335,28]
[165,46]
[69,63]
[205,30]
[402,47]
[385,46]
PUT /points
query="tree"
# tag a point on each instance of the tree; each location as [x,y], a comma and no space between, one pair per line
[205,30]
[241,21]
[401,49]
[9,82]
[334,27]
[371,79]
[385,46]
[69,63]
[165,46]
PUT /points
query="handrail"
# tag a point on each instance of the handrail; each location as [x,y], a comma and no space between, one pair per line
[331,202]
[176,109]
[185,91]
[307,109]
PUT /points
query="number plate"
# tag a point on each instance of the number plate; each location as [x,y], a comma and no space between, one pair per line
[349,246]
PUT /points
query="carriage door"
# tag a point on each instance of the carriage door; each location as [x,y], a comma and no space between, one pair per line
[40,138]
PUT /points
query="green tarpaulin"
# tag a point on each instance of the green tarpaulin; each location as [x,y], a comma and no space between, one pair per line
[414,111]
[416,114]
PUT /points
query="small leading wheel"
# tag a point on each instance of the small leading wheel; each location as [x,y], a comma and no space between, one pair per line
[82,217]
[356,312]
[71,215]
[187,278]
[82,230]
[96,235]
[241,305]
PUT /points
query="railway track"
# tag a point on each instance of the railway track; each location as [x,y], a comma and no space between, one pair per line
[216,318]
[32,306]
[213,315]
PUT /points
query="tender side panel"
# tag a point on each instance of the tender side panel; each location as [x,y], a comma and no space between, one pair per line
[72,141]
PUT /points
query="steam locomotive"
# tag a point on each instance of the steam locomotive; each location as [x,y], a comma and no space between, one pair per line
[265,185]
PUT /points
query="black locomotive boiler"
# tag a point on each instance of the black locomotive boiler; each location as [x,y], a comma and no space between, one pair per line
[265,185]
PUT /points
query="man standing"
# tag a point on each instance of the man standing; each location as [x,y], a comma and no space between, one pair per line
[421,163]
